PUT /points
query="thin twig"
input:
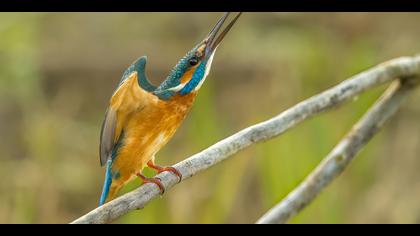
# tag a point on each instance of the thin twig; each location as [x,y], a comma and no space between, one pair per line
[339,158]
[380,74]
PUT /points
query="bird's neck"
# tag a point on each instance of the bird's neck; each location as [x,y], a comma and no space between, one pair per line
[181,103]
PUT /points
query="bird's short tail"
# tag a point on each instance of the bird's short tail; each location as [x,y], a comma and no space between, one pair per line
[109,189]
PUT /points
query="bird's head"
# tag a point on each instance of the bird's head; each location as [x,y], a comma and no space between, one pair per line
[190,72]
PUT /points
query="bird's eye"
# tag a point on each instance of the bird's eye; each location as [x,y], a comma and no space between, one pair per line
[193,61]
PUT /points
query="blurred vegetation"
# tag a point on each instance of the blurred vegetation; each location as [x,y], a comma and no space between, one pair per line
[58,71]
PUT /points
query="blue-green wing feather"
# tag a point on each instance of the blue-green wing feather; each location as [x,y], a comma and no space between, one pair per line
[139,66]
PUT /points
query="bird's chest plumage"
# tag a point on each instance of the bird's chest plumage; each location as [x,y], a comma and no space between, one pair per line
[146,130]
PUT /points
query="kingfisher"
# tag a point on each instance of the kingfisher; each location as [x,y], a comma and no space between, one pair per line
[141,117]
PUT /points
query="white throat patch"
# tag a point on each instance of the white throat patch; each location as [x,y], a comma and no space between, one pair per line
[208,67]
[177,88]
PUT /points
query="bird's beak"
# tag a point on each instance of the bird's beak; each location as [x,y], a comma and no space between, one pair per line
[211,40]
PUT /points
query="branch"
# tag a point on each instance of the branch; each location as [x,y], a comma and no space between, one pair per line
[340,157]
[137,199]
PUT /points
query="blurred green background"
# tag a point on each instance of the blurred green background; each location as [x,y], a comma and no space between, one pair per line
[58,71]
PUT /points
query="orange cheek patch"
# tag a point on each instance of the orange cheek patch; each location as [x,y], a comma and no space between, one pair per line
[187,75]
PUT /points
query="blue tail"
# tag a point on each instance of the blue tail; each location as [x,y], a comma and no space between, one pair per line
[107,183]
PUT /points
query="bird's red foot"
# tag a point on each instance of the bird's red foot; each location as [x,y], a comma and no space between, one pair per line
[161,169]
[152,180]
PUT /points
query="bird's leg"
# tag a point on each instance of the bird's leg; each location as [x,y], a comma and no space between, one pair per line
[152,180]
[161,169]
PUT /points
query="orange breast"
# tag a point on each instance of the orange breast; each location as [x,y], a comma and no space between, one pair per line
[146,130]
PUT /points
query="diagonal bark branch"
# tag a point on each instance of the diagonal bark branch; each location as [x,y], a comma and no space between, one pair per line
[398,68]
[339,158]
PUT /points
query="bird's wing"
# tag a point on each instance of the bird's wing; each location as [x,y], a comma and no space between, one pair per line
[139,66]
[107,135]
[128,97]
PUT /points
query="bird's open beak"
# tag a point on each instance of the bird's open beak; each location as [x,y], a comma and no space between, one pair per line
[211,40]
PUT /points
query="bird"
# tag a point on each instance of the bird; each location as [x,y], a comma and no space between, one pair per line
[141,117]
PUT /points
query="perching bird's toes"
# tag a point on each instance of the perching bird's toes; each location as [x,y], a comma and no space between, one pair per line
[161,169]
[173,170]
[156,181]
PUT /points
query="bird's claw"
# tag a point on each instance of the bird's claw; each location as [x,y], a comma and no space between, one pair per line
[173,170]
[154,180]
[160,169]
